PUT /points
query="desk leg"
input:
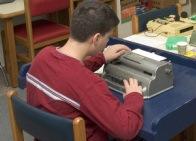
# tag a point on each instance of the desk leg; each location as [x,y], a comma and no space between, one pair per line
[114,7]
[191,133]
[179,137]
[11,51]
[188,134]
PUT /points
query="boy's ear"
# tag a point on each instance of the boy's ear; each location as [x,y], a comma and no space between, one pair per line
[96,38]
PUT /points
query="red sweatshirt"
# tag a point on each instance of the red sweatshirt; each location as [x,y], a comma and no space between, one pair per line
[69,88]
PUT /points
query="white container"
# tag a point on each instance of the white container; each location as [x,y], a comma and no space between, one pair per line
[182,47]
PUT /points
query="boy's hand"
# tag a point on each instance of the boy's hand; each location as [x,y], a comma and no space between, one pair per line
[114,51]
[131,85]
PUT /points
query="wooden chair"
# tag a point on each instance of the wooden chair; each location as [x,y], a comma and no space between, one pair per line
[40,124]
[36,34]
[139,21]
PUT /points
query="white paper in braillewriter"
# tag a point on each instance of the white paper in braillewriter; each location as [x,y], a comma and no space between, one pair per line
[150,55]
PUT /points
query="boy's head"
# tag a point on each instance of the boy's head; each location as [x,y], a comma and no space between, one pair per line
[92,17]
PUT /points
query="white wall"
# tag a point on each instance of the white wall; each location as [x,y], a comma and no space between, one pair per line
[187,8]
[124,30]
[193,7]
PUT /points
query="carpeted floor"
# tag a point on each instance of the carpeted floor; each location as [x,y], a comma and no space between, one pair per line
[5,129]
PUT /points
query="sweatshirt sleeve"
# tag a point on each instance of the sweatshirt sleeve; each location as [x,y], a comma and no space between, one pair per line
[94,62]
[121,120]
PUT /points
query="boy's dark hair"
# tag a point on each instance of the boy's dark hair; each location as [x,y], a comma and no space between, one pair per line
[92,17]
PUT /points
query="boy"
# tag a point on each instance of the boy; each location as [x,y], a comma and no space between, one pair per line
[61,79]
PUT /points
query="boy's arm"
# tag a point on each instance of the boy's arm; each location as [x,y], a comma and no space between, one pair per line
[94,62]
[121,120]
[110,53]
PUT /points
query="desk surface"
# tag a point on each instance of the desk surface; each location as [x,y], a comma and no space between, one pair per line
[171,112]
[12,9]
[156,42]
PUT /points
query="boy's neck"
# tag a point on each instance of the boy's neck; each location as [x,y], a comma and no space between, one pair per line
[75,49]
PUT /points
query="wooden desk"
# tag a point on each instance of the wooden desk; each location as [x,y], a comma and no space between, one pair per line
[7,13]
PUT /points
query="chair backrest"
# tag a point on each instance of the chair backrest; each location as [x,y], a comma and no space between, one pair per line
[22,75]
[139,21]
[40,124]
[42,7]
